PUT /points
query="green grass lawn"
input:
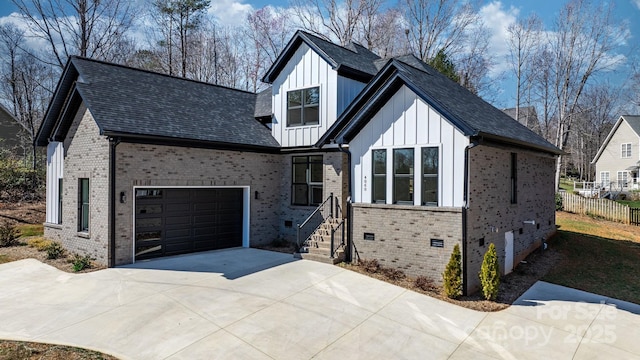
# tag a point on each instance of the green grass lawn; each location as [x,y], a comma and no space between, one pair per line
[633,204]
[566,184]
[599,257]
[30,230]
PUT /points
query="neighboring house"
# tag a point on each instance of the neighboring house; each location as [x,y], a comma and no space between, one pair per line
[527,116]
[143,165]
[618,159]
[11,133]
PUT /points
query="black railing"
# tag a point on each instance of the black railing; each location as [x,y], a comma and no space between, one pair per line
[314,221]
[634,216]
[337,237]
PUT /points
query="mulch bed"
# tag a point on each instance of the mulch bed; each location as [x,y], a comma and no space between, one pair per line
[19,350]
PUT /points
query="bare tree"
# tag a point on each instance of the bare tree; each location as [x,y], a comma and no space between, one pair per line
[89,28]
[523,41]
[583,43]
[330,18]
[434,25]
[473,63]
[178,19]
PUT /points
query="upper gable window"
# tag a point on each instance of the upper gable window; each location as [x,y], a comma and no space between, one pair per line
[626,150]
[303,107]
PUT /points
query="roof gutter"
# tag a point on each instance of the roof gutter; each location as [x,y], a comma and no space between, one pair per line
[113,142]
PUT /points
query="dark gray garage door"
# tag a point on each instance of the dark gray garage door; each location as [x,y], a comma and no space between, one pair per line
[178,221]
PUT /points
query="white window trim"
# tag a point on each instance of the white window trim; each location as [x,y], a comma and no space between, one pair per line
[417,173]
[286,106]
[623,153]
[603,184]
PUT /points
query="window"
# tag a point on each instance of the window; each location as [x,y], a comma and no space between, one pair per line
[514,178]
[623,178]
[379,186]
[59,201]
[604,179]
[307,180]
[626,150]
[83,205]
[403,165]
[430,176]
[303,107]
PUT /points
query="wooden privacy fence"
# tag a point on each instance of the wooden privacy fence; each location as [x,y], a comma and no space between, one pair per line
[604,208]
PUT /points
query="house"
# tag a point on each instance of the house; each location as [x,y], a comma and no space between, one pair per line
[527,116]
[11,133]
[348,154]
[618,159]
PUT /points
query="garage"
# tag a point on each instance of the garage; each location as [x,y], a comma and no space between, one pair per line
[172,221]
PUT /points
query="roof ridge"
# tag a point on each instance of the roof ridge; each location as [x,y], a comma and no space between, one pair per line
[159,73]
[304,32]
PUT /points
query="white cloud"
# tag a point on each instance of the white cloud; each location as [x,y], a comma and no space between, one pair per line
[229,12]
[32,41]
[636,3]
[497,20]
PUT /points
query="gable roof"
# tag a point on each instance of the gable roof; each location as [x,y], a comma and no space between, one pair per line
[10,130]
[467,112]
[634,123]
[353,60]
[133,103]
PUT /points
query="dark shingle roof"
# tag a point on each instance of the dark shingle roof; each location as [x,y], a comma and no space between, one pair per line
[634,122]
[263,104]
[469,113]
[131,102]
[353,59]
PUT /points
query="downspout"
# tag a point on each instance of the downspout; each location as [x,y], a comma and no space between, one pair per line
[473,144]
[113,142]
[348,254]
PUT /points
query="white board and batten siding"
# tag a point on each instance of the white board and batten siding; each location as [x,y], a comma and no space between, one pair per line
[55,169]
[406,121]
[307,69]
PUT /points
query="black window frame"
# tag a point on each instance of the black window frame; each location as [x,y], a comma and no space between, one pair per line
[513,183]
[302,107]
[60,184]
[310,184]
[426,176]
[397,176]
[83,204]
[378,177]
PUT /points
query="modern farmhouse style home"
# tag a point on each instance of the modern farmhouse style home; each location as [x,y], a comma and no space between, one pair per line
[346,153]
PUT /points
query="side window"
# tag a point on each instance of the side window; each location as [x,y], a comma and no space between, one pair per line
[59,201]
[403,164]
[430,159]
[83,205]
[303,107]
[379,176]
[307,176]
[625,151]
[514,178]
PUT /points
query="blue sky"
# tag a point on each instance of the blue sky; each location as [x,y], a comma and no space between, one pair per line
[497,15]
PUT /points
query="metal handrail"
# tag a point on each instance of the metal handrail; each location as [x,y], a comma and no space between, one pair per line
[340,228]
[318,209]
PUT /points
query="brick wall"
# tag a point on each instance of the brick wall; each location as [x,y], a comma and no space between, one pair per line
[491,214]
[86,156]
[403,236]
[157,165]
[335,180]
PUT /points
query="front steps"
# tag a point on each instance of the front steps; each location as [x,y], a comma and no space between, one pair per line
[318,246]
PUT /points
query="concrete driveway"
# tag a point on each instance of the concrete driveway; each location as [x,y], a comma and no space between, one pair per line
[253,304]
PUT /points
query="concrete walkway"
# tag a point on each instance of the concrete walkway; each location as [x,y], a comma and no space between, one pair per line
[253,304]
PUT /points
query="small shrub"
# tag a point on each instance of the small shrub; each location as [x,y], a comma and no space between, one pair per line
[490,274]
[54,250]
[8,235]
[559,204]
[393,274]
[424,283]
[80,262]
[370,266]
[452,276]
[39,243]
